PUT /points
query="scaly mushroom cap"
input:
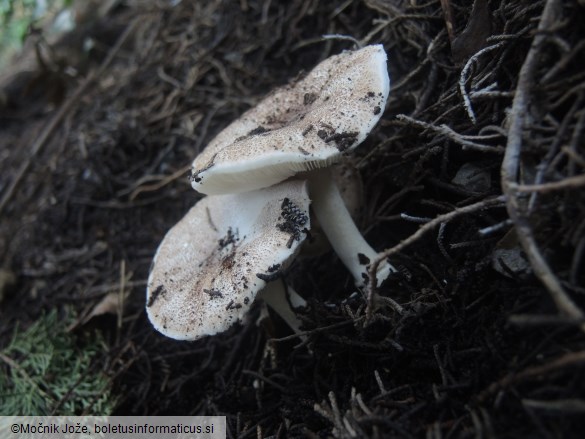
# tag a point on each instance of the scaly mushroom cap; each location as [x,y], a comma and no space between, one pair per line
[211,264]
[302,126]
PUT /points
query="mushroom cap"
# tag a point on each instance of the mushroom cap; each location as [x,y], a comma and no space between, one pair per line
[304,125]
[212,263]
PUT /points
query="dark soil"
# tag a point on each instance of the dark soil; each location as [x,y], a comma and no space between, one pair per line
[475,352]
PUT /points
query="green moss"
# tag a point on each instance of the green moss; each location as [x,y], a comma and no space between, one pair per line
[47,370]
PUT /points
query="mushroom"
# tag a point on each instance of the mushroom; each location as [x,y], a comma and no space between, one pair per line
[304,128]
[212,264]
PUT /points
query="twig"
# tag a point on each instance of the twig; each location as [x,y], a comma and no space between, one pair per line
[510,164]
[568,183]
[373,267]
[317,330]
[484,204]
[63,111]
[495,228]
[160,184]
[444,379]
[451,134]
[414,219]
[99,290]
[570,405]
[331,412]
[464,76]
[576,158]
[342,38]
[570,359]
[440,244]
[379,381]
[538,320]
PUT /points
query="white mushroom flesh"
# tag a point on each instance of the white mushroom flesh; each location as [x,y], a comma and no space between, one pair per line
[344,236]
[302,126]
[212,263]
[275,296]
[348,180]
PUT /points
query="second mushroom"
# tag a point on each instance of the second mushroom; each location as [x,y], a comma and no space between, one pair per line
[227,249]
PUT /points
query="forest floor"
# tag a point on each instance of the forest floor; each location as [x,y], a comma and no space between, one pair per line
[483,129]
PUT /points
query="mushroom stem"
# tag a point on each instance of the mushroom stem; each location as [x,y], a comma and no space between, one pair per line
[345,238]
[274,295]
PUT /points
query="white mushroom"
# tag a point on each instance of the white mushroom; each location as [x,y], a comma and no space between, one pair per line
[211,265]
[306,126]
